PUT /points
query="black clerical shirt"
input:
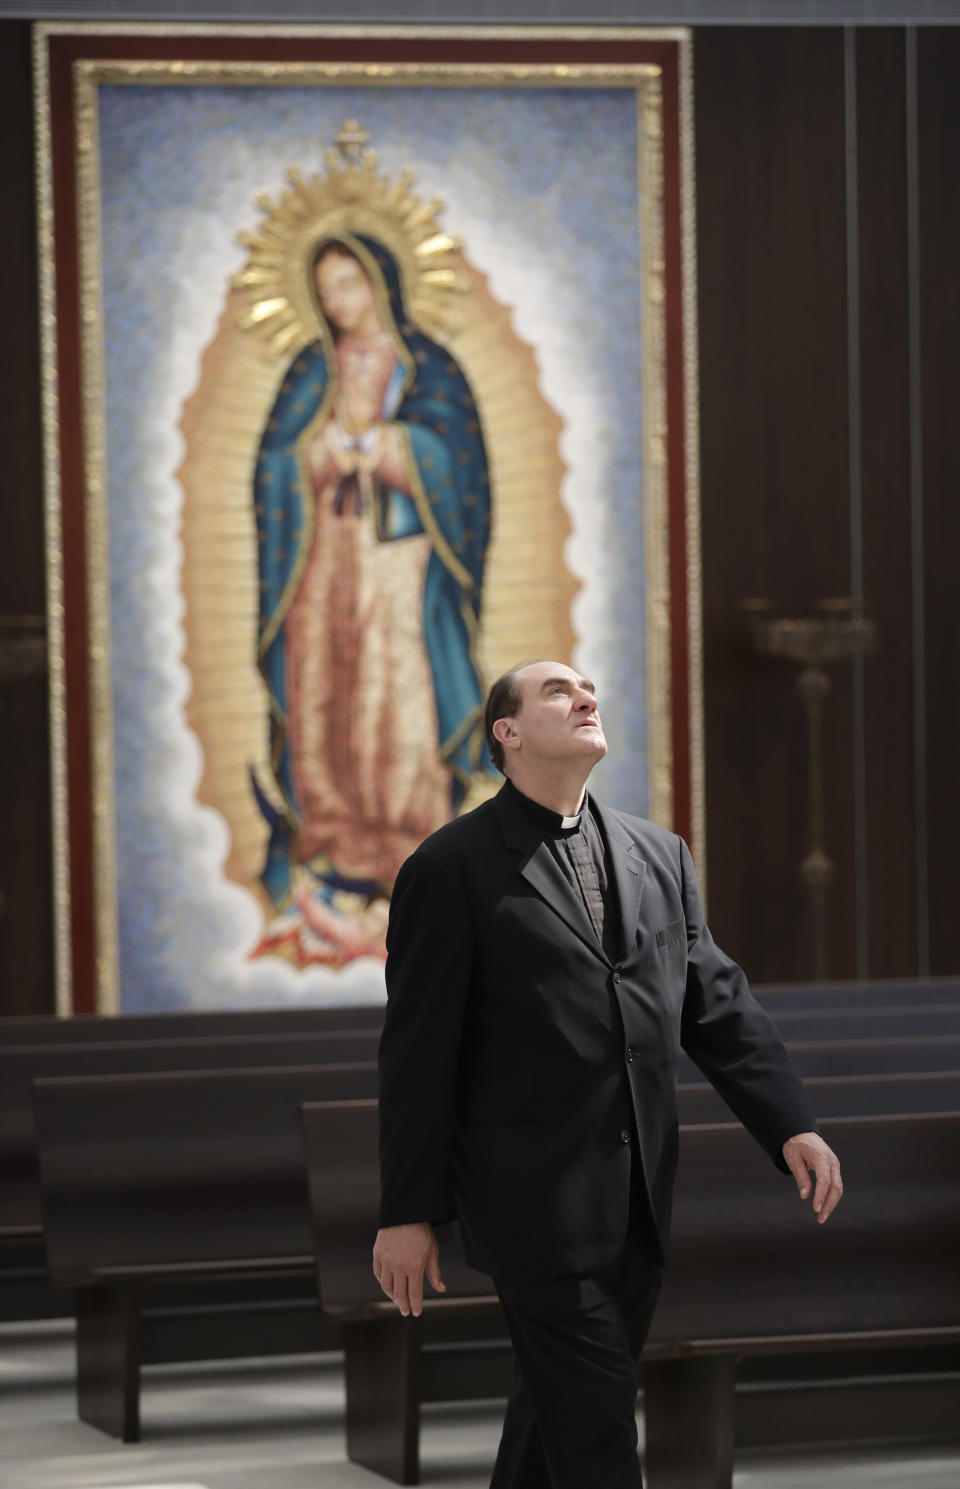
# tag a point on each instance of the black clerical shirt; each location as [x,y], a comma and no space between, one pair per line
[578,848]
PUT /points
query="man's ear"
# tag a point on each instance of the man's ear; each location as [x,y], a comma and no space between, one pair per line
[505,730]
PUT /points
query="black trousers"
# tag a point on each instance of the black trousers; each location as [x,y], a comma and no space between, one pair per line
[571,1415]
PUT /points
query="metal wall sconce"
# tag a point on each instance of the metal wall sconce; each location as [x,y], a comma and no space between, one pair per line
[835,633]
[23,647]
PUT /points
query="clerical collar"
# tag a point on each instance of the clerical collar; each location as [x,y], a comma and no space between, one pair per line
[543,816]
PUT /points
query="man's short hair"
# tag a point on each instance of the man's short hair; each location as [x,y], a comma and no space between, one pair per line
[503,702]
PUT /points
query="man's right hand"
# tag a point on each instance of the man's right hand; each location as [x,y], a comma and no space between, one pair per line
[401,1255]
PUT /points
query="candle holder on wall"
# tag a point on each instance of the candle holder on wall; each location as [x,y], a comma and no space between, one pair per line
[23,647]
[835,633]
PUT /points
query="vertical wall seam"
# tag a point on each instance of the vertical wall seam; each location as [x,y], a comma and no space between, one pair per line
[917,588]
[855,494]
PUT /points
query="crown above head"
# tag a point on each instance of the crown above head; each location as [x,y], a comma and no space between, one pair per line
[352,195]
[351,139]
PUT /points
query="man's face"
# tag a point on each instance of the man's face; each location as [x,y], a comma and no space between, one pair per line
[558,718]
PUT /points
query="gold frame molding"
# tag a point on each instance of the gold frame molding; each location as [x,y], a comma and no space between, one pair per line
[89,73]
[53,526]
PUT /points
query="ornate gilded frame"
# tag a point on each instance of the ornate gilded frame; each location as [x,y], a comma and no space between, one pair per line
[71,61]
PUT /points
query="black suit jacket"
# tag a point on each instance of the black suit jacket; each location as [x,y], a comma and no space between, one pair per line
[517,1060]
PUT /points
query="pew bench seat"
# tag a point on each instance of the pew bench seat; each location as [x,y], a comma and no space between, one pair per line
[750,1275]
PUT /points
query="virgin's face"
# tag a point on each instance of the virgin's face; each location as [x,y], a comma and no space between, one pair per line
[346,295]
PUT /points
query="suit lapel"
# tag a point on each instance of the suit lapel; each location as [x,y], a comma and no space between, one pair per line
[541,871]
[628,870]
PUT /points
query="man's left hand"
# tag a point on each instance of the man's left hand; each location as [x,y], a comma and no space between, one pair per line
[806,1153]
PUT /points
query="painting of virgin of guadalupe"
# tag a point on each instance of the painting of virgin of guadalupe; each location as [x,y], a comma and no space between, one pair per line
[372,527]
[274,604]
[372,502]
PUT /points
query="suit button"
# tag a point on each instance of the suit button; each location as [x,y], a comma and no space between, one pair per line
[629,1056]
[616,976]
[624,1135]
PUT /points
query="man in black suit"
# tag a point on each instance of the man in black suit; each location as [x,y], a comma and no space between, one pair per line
[547,959]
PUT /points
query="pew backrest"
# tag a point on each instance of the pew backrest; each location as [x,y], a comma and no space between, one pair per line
[882,993]
[885,1022]
[21,1064]
[778,998]
[913,1054]
[748,1262]
[343,1175]
[128,1028]
[843,1096]
[172,1172]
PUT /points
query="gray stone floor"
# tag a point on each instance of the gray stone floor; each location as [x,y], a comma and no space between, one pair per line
[277,1424]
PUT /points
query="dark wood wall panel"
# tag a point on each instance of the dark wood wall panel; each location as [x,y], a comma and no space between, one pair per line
[770,226]
[881,144]
[26,955]
[939,98]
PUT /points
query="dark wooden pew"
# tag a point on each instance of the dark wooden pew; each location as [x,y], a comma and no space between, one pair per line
[179,1177]
[446,1378]
[886,1045]
[19,1064]
[132,1027]
[22,1064]
[750,1274]
[152,1042]
[918,1054]
[391,1365]
[19,1205]
[823,1044]
[886,993]
[895,1050]
[97,1028]
[829,1025]
[843,1096]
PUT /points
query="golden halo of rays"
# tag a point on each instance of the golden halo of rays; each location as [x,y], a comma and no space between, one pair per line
[352,196]
[528,591]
